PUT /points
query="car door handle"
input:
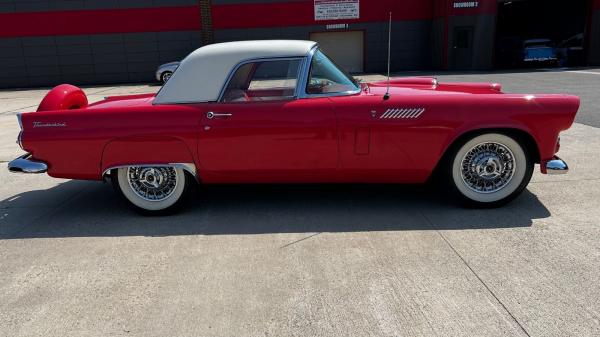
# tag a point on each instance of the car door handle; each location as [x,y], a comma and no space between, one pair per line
[211,115]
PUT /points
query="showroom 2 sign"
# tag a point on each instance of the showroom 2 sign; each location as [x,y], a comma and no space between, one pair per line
[336,9]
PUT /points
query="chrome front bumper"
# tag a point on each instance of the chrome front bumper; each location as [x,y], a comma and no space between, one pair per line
[556,166]
[24,164]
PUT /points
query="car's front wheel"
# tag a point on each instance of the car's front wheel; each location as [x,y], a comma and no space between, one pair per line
[164,77]
[489,170]
[153,190]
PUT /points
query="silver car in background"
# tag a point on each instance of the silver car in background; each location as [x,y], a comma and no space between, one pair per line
[164,72]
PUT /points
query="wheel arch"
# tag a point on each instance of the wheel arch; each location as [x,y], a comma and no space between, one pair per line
[133,151]
[520,135]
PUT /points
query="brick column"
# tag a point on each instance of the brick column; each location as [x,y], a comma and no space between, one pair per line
[207,35]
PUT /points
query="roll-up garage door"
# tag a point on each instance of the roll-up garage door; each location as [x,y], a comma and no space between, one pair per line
[345,48]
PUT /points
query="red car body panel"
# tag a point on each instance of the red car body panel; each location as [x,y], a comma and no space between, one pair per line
[328,139]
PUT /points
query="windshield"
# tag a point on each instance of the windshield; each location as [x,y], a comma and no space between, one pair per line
[327,78]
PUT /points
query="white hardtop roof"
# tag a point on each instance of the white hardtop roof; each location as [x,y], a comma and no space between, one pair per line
[203,73]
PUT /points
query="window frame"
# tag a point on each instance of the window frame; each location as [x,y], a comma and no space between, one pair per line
[301,79]
[234,70]
[304,94]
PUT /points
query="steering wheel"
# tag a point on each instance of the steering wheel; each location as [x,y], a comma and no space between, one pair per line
[316,85]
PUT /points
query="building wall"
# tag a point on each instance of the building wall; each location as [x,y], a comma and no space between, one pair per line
[44,43]
[279,19]
[110,41]
[483,21]
[483,39]
[410,47]
[90,59]
[594,35]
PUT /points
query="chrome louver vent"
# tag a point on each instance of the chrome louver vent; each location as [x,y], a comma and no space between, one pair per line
[403,113]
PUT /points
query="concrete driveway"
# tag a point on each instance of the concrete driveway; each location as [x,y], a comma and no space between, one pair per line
[305,260]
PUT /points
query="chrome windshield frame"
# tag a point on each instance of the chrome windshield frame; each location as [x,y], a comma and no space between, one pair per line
[304,80]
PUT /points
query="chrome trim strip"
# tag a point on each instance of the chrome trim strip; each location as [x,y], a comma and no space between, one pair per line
[190,167]
[20,139]
[413,113]
[25,165]
[303,81]
[556,166]
[20,119]
[406,113]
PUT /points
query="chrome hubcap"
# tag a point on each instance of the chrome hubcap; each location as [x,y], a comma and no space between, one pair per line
[488,167]
[166,77]
[152,183]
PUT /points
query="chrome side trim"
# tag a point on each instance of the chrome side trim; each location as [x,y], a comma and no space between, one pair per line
[300,92]
[190,167]
[20,119]
[411,113]
[556,166]
[20,140]
[25,165]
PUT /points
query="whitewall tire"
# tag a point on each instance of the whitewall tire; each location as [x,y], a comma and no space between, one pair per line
[152,190]
[490,169]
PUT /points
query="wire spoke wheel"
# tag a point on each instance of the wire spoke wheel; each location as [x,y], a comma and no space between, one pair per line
[152,183]
[488,167]
[152,189]
[166,76]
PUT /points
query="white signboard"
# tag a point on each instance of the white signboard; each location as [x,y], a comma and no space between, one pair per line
[336,9]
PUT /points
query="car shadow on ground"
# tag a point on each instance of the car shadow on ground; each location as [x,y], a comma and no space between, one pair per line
[95,210]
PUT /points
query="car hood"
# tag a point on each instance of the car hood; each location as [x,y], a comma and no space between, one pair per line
[430,85]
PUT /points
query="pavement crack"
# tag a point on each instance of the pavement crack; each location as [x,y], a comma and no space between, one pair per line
[294,242]
[475,273]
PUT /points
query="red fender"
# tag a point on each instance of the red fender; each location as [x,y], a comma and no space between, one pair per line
[145,149]
[64,97]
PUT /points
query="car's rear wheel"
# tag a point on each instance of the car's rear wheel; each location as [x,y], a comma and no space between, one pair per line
[164,77]
[153,190]
[489,170]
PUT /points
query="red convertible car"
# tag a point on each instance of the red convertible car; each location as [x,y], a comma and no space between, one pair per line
[283,112]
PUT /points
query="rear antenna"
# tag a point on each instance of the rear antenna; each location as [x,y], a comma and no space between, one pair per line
[387,92]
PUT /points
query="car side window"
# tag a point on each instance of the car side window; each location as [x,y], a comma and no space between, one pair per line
[263,81]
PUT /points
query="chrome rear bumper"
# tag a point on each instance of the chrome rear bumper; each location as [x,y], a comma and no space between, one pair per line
[24,164]
[556,166]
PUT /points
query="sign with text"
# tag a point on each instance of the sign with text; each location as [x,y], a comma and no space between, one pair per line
[466,4]
[336,9]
